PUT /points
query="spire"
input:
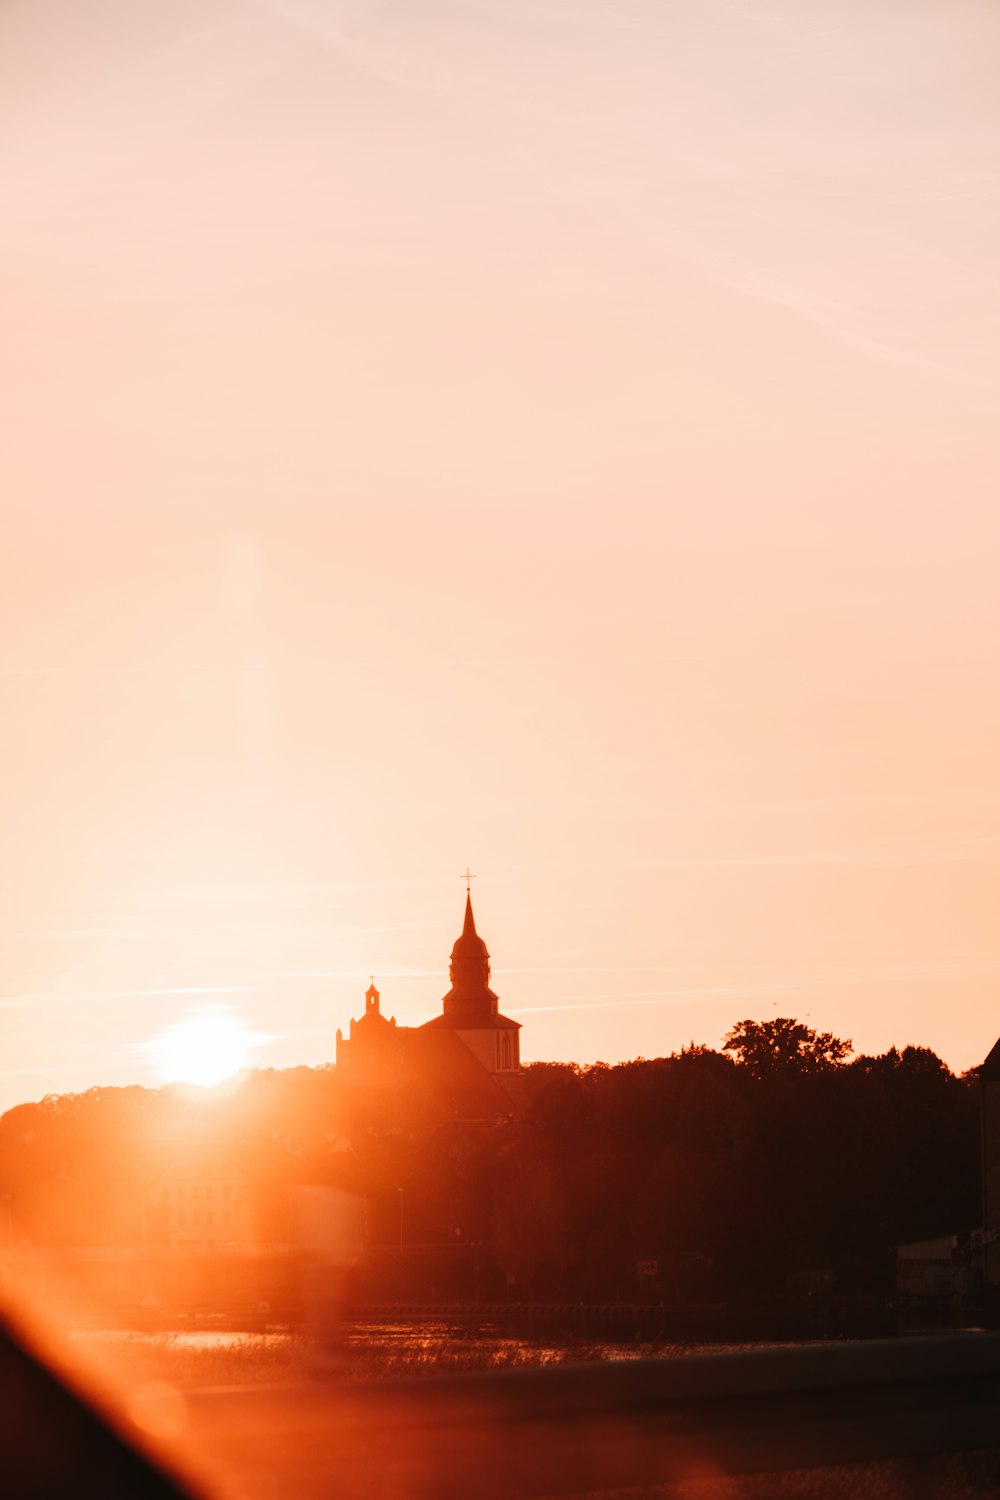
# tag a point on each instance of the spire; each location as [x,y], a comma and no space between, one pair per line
[469,970]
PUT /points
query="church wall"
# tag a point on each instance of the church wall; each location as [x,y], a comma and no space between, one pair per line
[485,1042]
[482,1044]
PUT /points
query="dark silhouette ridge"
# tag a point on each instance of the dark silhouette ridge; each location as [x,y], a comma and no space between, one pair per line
[683,1178]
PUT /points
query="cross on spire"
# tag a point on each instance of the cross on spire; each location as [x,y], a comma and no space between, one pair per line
[468,877]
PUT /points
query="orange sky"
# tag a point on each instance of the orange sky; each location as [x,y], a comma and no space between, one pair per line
[559,435]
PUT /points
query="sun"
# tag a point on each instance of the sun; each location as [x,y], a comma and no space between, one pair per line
[205,1048]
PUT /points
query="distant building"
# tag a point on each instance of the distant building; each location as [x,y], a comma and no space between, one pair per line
[199,1212]
[462,1065]
[938,1273]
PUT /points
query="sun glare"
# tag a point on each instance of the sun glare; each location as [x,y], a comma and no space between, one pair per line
[203,1048]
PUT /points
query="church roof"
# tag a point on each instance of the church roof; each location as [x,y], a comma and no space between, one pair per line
[469,944]
[450,1076]
[452,1022]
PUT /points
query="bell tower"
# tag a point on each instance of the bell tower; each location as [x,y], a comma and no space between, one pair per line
[471,1009]
[470,1001]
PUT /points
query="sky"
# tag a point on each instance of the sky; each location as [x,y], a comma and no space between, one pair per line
[553,436]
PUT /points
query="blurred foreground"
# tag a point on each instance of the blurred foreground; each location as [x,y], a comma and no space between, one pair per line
[125,1374]
[408,1411]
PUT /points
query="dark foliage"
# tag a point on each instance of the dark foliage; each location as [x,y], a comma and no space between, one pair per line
[722,1173]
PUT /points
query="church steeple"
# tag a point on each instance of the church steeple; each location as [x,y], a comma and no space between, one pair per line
[470,998]
[471,1010]
[469,925]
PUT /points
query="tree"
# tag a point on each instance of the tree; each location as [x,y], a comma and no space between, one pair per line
[784,1045]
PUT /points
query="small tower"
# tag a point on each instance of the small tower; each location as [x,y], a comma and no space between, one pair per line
[371,1046]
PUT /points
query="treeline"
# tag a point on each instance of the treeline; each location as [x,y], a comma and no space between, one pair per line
[699,1175]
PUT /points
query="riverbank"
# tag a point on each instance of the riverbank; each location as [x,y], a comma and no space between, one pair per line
[363,1351]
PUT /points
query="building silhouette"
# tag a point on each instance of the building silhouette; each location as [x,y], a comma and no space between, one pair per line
[989,1083]
[463,1064]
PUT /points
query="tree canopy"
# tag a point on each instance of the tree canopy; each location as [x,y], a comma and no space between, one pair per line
[782,1044]
[728,1169]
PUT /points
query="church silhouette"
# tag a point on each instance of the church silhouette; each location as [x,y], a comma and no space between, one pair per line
[462,1065]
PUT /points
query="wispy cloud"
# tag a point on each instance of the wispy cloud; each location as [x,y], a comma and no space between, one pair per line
[781,985]
[776,216]
[97,997]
